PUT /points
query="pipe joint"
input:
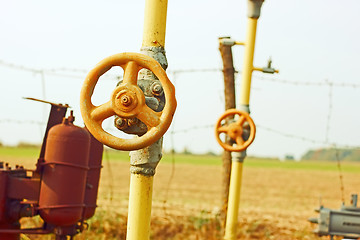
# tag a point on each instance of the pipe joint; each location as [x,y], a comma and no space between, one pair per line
[144,161]
[245,108]
[267,69]
[238,156]
[157,53]
[270,70]
[227,41]
[254,8]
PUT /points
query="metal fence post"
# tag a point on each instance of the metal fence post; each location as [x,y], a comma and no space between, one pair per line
[230,102]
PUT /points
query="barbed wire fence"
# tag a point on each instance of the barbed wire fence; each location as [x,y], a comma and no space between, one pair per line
[80,73]
[73,73]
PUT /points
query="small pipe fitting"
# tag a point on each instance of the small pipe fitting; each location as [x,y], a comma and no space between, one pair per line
[158,53]
[229,42]
[254,8]
[144,161]
[238,156]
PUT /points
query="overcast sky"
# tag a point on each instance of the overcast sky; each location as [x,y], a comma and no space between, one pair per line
[310,42]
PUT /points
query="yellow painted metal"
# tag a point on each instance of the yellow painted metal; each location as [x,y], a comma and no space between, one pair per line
[234,200]
[155,23]
[24,237]
[236,166]
[261,69]
[248,61]
[257,69]
[140,198]
[141,186]
[239,43]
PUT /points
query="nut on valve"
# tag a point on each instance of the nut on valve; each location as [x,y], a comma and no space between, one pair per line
[120,123]
[156,89]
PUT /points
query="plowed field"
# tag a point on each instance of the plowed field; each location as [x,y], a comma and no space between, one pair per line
[276,198]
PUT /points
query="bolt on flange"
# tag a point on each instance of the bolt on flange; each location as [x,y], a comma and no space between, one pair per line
[120,123]
[156,89]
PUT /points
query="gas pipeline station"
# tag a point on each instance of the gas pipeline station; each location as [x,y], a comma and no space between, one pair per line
[62,189]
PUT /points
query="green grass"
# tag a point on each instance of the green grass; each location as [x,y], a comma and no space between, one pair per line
[192,159]
[168,158]
[112,155]
[302,165]
[20,152]
[249,162]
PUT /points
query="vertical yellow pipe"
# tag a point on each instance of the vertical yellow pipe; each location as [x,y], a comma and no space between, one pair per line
[248,61]
[234,200]
[155,23]
[140,198]
[141,186]
[237,166]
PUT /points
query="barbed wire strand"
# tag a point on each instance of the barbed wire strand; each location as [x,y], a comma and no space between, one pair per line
[7,120]
[301,83]
[58,71]
[55,71]
[276,80]
[189,129]
[19,67]
[341,178]
[201,70]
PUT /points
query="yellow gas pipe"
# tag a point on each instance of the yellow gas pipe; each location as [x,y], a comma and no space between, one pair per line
[141,186]
[140,199]
[248,67]
[237,166]
[154,23]
[234,200]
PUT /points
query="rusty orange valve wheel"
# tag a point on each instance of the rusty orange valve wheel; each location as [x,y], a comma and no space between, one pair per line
[127,101]
[235,130]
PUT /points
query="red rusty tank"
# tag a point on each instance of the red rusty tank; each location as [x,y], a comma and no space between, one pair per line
[10,232]
[3,190]
[5,223]
[62,191]
[93,177]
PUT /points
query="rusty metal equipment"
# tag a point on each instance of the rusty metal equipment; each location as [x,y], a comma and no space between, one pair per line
[66,163]
[128,101]
[241,130]
[344,222]
[63,187]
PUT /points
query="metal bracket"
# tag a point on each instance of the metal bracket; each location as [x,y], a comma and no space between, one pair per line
[57,113]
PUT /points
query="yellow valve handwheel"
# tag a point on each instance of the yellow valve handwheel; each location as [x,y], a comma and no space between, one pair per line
[127,101]
[235,130]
